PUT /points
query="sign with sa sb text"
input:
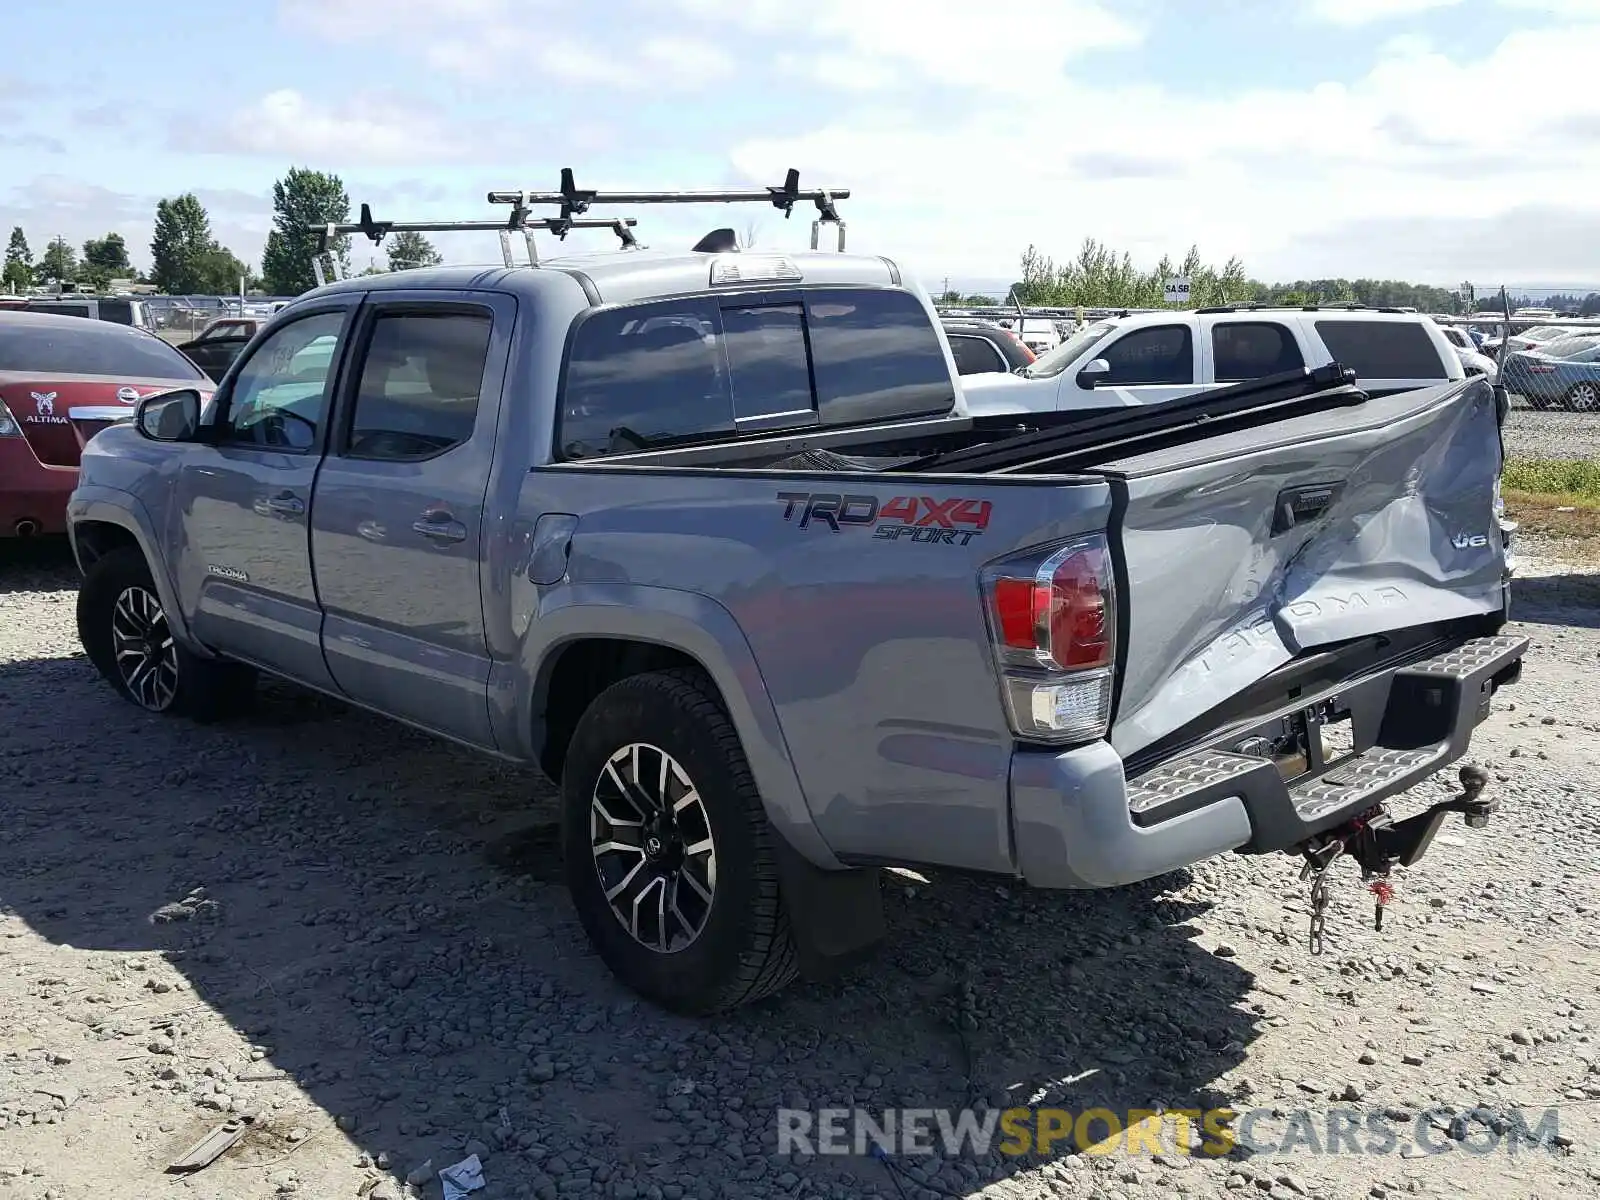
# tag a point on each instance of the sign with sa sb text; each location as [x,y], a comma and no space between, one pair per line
[1178,290]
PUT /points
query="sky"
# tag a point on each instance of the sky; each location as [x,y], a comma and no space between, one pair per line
[1431,140]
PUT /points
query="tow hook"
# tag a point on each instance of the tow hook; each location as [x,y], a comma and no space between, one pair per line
[1377,842]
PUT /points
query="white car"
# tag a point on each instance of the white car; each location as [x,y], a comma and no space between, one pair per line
[1472,360]
[1150,358]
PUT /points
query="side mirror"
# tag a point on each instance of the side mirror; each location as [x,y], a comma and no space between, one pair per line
[1093,374]
[170,416]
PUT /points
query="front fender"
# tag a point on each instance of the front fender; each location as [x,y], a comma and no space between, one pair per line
[684,621]
[113,506]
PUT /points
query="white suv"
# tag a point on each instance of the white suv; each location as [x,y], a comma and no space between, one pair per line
[1149,358]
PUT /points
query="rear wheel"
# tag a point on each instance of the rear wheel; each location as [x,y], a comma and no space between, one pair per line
[1583,397]
[667,849]
[125,631]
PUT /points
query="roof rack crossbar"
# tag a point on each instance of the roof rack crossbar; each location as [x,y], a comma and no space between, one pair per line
[545,224]
[521,222]
[574,201]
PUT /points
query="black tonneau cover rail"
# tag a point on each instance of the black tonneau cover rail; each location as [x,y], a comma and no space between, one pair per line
[1093,439]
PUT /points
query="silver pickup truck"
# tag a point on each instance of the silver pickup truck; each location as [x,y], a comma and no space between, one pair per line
[709,537]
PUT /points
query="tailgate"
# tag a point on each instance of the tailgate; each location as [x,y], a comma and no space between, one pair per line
[1243,551]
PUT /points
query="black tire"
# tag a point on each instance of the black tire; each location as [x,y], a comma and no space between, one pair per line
[1582,397]
[185,684]
[744,950]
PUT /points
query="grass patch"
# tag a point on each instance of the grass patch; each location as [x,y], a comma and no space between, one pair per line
[1560,481]
[1556,498]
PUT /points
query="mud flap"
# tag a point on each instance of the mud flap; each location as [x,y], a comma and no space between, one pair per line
[836,916]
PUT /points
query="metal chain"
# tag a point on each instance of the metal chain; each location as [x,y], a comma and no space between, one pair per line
[1319,899]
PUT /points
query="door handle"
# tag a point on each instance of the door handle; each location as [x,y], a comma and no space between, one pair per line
[287,505]
[440,526]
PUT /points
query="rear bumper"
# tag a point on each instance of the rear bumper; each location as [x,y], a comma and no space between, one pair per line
[30,492]
[1080,823]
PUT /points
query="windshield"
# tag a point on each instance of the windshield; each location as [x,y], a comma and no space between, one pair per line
[1569,347]
[1052,363]
[73,347]
[1543,333]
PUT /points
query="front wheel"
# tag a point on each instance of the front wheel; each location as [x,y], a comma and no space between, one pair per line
[125,631]
[667,849]
[1583,397]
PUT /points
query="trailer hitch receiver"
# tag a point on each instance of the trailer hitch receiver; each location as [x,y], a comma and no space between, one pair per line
[1377,842]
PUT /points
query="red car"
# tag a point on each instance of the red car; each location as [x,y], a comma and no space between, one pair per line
[62,380]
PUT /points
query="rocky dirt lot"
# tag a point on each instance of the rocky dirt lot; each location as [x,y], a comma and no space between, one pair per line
[349,937]
[1551,434]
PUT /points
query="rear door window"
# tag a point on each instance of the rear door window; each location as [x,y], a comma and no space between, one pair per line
[1383,349]
[419,385]
[1154,355]
[118,312]
[975,355]
[85,348]
[644,375]
[1250,349]
[876,355]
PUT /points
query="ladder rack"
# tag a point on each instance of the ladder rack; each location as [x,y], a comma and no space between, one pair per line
[575,201]
[375,231]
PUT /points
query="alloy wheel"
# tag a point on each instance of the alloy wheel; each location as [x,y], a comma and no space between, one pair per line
[653,848]
[1584,397]
[146,655]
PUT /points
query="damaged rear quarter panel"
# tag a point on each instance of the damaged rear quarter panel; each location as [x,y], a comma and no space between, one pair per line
[1217,599]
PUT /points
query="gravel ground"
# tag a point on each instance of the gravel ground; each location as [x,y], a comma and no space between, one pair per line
[1551,434]
[351,935]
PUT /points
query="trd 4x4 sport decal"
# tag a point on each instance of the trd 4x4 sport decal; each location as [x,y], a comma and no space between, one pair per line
[953,522]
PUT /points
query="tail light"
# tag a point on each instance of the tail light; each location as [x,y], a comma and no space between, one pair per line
[8,423]
[1052,619]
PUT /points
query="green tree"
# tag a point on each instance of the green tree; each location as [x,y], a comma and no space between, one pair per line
[1100,277]
[218,271]
[182,240]
[109,254]
[58,264]
[301,200]
[105,259]
[18,261]
[18,272]
[411,249]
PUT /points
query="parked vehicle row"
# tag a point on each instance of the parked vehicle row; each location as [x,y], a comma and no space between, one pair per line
[1559,373]
[1154,358]
[715,541]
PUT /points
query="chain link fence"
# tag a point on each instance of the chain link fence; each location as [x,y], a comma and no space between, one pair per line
[1554,365]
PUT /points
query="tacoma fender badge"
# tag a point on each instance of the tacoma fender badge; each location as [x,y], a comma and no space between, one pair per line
[233,573]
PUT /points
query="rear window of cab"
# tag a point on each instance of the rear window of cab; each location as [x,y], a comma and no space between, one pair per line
[709,367]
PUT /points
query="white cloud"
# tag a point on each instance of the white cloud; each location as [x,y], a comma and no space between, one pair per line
[1279,177]
[1365,12]
[286,125]
[949,43]
[501,40]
